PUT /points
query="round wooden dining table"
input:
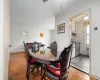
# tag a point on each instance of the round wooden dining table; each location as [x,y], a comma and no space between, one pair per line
[46,58]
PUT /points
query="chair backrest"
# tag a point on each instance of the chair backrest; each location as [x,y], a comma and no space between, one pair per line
[65,58]
[35,47]
[29,45]
[53,48]
[24,46]
[27,52]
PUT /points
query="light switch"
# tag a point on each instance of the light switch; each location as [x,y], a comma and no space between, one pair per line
[95,28]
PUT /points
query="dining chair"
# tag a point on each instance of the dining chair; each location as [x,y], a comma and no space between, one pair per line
[29,45]
[31,63]
[53,48]
[35,47]
[60,70]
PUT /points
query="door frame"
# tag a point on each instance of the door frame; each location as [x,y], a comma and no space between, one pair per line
[69,19]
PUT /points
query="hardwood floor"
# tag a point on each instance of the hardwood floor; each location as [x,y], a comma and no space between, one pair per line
[17,70]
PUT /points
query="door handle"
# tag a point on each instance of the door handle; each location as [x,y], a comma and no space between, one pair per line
[10,45]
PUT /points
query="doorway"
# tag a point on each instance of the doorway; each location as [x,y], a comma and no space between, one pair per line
[80,36]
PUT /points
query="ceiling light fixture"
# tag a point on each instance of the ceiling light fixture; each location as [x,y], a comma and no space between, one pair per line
[86,18]
[45,0]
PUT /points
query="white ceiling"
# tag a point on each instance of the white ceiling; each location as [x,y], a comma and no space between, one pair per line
[57,6]
[35,12]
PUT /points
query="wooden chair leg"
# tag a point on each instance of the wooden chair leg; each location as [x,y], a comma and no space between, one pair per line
[28,72]
[42,78]
[37,69]
[32,70]
[41,70]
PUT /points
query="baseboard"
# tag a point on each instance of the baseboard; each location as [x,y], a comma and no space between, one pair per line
[97,78]
[80,70]
[79,55]
[17,52]
[83,55]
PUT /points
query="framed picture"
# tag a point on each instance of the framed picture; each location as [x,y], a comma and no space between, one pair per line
[41,35]
[61,28]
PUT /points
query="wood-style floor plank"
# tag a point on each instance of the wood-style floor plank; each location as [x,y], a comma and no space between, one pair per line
[17,70]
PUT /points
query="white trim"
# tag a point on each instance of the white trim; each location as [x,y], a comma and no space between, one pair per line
[97,78]
[90,42]
[89,10]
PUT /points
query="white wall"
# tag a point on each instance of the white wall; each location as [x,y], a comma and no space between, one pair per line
[33,35]
[64,39]
[52,36]
[1,39]
[33,16]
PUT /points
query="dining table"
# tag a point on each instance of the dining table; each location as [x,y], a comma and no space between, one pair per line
[44,57]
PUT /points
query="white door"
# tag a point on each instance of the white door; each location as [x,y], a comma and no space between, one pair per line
[6,37]
[1,39]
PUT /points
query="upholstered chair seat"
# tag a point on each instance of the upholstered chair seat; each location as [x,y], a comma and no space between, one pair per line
[59,70]
[54,71]
[32,61]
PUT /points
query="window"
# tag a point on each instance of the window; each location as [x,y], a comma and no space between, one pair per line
[88,34]
[88,30]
